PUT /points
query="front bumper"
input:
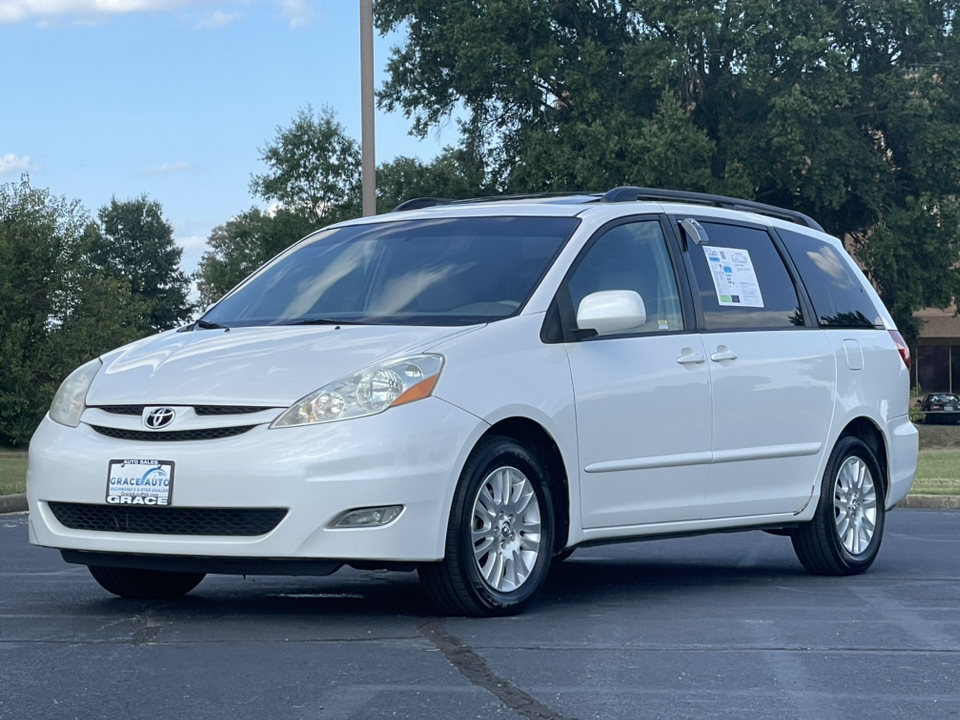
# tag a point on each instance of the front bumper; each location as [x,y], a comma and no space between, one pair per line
[410,455]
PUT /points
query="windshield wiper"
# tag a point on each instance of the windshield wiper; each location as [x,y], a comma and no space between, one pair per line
[207,325]
[321,321]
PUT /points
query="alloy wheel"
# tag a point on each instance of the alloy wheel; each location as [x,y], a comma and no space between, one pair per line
[506,529]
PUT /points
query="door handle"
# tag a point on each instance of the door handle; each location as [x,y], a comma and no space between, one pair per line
[690,358]
[723,353]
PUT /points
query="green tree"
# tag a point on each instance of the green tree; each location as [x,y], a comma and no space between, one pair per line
[933,227]
[134,244]
[456,174]
[313,168]
[848,111]
[57,310]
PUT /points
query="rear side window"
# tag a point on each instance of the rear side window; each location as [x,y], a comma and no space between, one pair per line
[838,296]
[743,282]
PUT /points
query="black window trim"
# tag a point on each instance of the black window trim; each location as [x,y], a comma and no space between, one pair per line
[559,325]
[806,306]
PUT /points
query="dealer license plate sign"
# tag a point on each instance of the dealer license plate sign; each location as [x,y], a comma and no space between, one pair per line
[140,482]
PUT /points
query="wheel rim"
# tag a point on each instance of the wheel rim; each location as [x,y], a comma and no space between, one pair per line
[855,505]
[506,529]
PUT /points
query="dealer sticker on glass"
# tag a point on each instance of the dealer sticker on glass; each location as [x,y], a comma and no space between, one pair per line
[140,482]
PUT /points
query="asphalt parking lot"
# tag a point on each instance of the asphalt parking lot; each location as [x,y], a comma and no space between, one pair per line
[722,626]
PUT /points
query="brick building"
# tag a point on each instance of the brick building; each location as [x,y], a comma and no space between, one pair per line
[936,359]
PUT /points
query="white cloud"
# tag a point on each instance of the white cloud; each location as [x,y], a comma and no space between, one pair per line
[299,12]
[192,242]
[12,11]
[217,19]
[168,168]
[10,163]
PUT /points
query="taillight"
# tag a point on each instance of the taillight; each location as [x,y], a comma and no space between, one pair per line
[902,347]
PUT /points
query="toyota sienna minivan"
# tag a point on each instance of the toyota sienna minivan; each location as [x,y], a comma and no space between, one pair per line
[475,389]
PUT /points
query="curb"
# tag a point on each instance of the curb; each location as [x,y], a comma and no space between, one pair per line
[13,503]
[938,502]
[18,503]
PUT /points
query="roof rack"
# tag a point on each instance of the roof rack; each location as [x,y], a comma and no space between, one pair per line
[632,194]
[421,202]
[425,202]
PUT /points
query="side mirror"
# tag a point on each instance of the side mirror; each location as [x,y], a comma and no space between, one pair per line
[611,312]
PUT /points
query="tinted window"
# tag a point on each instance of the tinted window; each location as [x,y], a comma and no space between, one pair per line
[634,257]
[743,281]
[837,294]
[448,271]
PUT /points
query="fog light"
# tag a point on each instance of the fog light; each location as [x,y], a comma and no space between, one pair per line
[369,517]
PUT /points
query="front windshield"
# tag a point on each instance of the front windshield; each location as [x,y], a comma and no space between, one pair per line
[449,271]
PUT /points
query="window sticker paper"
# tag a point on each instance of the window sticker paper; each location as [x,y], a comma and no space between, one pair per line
[734,278]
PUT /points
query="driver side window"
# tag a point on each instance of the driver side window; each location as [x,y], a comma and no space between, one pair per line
[634,257]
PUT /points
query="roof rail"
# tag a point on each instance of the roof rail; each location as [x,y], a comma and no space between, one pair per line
[425,202]
[632,194]
[421,202]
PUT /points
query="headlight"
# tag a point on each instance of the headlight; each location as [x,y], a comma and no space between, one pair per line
[368,392]
[71,398]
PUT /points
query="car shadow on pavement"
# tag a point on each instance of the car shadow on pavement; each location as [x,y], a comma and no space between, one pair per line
[351,594]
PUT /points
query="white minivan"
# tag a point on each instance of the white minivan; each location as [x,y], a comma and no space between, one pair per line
[475,389]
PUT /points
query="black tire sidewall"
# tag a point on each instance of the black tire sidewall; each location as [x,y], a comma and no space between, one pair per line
[502,453]
[852,447]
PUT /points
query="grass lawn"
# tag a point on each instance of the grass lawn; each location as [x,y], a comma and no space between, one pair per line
[13,471]
[938,473]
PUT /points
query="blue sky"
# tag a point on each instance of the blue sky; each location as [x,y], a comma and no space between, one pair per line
[172,98]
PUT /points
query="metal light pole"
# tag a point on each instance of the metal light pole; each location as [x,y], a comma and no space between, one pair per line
[368,155]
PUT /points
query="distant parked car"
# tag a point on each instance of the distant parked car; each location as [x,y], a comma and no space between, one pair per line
[941,408]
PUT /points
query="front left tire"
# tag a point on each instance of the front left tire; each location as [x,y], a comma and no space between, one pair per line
[499,540]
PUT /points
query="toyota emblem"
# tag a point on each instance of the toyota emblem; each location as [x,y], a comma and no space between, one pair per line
[158,418]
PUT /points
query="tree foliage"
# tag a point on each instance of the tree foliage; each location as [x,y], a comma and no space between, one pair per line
[848,111]
[456,174]
[134,245]
[57,309]
[313,167]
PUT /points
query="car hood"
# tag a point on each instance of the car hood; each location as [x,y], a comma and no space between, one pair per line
[267,366]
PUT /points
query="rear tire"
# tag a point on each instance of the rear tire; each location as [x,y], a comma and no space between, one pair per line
[499,537]
[144,584]
[845,534]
